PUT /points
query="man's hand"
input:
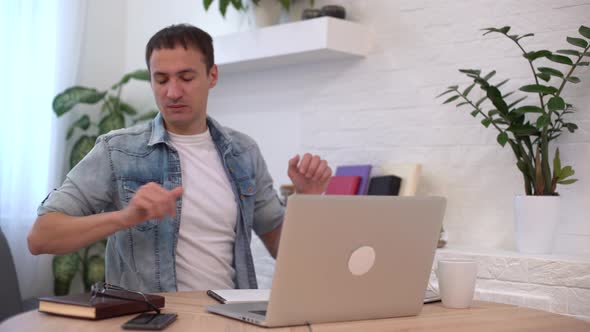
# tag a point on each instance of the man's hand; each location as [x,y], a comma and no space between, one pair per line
[311,175]
[151,201]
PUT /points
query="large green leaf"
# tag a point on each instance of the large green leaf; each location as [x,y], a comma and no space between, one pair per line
[545,77]
[123,106]
[140,75]
[496,98]
[532,56]
[207,4]
[524,130]
[556,104]
[568,52]
[81,148]
[577,42]
[146,116]
[64,269]
[223,4]
[539,88]
[584,31]
[570,181]
[543,121]
[94,270]
[502,138]
[550,71]
[528,109]
[83,123]
[560,59]
[111,122]
[73,96]
[486,122]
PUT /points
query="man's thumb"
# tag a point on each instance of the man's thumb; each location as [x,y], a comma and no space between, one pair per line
[176,192]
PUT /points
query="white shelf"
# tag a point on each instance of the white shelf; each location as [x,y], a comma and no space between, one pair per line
[312,40]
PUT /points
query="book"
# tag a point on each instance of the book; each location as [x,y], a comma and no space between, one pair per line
[359,170]
[410,173]
[239,295]
[78,305]
[343,185]
[387,185]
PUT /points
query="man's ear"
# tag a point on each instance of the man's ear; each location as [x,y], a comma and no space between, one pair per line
[213,76]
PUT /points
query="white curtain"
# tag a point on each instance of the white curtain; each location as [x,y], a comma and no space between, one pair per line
[41,43]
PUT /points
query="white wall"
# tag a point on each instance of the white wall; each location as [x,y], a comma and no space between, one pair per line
[383,108]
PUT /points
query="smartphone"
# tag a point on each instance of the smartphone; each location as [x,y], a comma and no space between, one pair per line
[149,321]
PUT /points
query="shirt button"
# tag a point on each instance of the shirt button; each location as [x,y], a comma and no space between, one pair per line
[250,189]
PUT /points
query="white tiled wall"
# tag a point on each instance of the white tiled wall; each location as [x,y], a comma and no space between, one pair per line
[553,283]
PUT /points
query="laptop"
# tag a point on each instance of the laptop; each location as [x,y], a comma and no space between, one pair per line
[346,258]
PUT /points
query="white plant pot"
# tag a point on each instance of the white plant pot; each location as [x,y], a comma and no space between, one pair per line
[267,13]
[535,223]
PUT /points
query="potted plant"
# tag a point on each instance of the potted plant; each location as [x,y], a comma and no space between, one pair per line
[530,128]
[113,113]
[263,12]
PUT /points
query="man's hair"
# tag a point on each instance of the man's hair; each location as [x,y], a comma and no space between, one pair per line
[185,35]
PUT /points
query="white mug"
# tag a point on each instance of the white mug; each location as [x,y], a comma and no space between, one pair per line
[456,282]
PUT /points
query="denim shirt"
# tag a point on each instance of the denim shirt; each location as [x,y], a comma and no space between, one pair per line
[142,257]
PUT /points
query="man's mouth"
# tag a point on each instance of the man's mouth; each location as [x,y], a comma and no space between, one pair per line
[175,106]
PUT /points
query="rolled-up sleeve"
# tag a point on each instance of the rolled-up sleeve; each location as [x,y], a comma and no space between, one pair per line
[88,187]
[268,209]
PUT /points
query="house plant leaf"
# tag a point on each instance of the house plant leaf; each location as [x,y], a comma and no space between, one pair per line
[539,88]
[569,52]
[556,104]
[584,31]
[560,59]
[550,71]
[95,270]
[75,95]
[65,268]
[82,146]
[111,122]
[83,123]
[577,42]
[140,74]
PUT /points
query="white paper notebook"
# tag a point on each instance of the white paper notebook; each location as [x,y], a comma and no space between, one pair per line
[239,295]
[262,295]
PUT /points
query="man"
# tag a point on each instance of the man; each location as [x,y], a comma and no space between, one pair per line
[178,197]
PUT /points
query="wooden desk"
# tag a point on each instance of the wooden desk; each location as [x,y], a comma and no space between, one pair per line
[483,316]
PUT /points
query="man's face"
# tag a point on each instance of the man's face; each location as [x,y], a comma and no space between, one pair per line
[181,86]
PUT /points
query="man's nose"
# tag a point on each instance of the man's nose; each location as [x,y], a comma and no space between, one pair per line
[173,91]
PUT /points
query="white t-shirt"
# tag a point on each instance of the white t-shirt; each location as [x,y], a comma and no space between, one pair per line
[204,253]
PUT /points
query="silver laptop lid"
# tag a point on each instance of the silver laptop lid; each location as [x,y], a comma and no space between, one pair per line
[313,281]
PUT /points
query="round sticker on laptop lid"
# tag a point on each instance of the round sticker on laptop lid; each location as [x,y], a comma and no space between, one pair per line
[361,260]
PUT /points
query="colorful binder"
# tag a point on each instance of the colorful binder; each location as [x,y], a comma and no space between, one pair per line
[343,185]
[364,171]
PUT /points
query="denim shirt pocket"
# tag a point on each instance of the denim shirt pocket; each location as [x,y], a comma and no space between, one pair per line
[130,187]
[247,189]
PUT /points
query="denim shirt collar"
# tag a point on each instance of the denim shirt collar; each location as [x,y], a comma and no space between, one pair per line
[160,135]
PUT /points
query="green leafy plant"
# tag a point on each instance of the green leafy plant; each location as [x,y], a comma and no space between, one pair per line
[113,113]
[529,129]
[240,6]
